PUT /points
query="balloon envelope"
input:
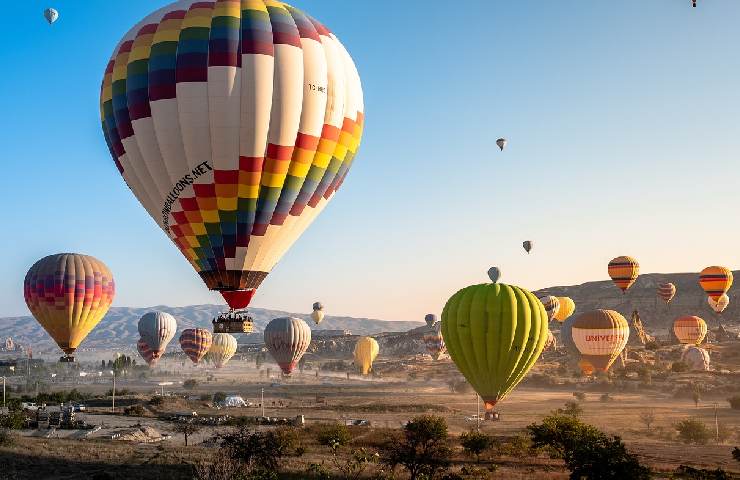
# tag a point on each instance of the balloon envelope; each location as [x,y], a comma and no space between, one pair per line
[719,305]
[222,349]
[623,271]
[157,329]
[433,341]
[494,273]
[696,358]
[715,281]
[494,333]
[365,352]
[146,353]
[666,291]
[552,305]
[501,143]
[600,336]
[196,342]
[566,308]
[690,329]
[51,15]
[430,319]
[287,339]
[69,294]
[233,123]
[527,245]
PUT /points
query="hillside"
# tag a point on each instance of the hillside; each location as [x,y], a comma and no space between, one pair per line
[119,327]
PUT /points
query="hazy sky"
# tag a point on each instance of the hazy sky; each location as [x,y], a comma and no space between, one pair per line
[622,120]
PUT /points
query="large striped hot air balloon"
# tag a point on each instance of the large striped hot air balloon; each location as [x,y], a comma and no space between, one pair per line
[715,281]
[196,342]
[146,353]
[720,304]
[157,329]
[666,291]
[233,123]
[552,305]
[690,329]
[433,340]
[222,349]
[566,307]
[287,339]
[624,271]
[600,336]
[494,333]
[365,352]
[68,294]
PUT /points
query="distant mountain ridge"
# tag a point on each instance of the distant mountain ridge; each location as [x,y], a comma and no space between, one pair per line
[119,327]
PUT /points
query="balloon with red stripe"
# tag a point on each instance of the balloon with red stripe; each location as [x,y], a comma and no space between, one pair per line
[196,342]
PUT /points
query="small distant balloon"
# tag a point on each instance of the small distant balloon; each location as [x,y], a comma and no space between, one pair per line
[666,291]
[430,318]
[501,142]
[527,244]
[494,273]
[552,305]
[318,312]
[623,272]
[719,305]
[51,15]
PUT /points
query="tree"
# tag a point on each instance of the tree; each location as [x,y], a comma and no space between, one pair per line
[647,417]
[695,395]
[334,436]
[422,449]
[734,402]
[190,384]
[572,409]
[187,429]
[260,451]
[736,454]
[580,396]
[693,430]
[475,443]
[219,397]
[588,453]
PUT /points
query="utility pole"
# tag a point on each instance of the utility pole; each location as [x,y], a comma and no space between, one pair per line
[716,422]
[3,392]
[262,401]
[113,407]
[477,416]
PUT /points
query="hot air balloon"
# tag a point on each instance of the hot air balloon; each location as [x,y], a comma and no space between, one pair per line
[233,124]
[551,343]
[715,281]
[600,336]
[430,319]
[365,352]
[690,329]
[586,367]
[196,342]
[552,305]
[566,337]
[527,245]
[494,273]
[433,341]
[68,294]
[494,333]
[222,349]
[157,329]
[51,15]
[696,358]
[666,291]
[565,309]
[146,353]
[318,312]
[719,305]
[501,143]
[287,339]
[623,272]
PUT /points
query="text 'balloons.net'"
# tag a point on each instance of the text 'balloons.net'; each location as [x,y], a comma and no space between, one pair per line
[68,294]
[233,123]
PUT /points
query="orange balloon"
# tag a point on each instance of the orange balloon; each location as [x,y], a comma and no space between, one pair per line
[715,281]
[624,271]
[690,329]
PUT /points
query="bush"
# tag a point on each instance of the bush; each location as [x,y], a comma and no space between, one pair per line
[475,443]
[690,473]
[260,451]
[156,401]
[516,446]
[734,402]
[14,420]
[334,436]
[588,453]
[693,430]
[679,367]
[572,409]
[190,384]
[580,396]
[423,448]
[219,397]
[606,397]
[134,410]
[7,439]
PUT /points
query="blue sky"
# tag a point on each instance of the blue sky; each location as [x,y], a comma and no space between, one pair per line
[622,120]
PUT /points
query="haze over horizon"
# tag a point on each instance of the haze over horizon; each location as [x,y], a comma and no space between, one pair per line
[622,128]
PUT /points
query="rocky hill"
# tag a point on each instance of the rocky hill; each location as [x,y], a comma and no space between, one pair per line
[119,327]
